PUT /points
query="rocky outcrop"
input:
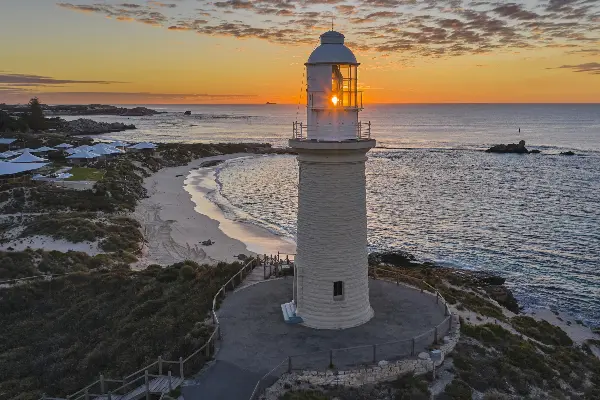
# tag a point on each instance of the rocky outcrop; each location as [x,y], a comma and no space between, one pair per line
[396,258]
[99,109]
[84,126]
[567,153]
[509,148]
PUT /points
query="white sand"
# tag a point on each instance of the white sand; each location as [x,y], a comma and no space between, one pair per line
[49,244]
[175,222]
[258,240]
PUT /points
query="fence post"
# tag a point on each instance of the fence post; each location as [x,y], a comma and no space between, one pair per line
[181,367]
[109,395]
[435,332]
[397,279]
[437,297]
[331,358]
[446,311]
[147,384]
[374,353]
[208,348]
[219,332]
[289,364]
[170,387]
[87,394]
[101,384]
[412,352]
[43,396]
[159,365]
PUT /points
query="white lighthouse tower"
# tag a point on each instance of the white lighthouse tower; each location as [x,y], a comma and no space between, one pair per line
[331,288]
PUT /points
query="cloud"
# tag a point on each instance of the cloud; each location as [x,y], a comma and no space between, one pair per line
[38,80]
[592,68]
[403,28]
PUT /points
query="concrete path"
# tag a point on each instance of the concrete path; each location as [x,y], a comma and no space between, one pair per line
[256,340]
[222,381]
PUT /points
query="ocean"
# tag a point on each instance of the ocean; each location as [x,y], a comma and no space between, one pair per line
[432,191]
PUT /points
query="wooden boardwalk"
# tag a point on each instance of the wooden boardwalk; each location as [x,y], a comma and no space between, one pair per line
[158,385]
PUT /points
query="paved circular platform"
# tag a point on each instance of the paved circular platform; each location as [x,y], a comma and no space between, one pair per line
[256,338]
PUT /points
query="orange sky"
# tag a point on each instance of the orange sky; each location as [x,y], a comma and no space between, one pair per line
[252,51]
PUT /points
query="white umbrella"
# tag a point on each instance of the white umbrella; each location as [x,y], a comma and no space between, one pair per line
[25,150]
[8,154]
[27,157]
[64,146]
[118,143]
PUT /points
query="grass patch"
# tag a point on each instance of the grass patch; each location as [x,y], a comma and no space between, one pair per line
[59,335]
[21,264]
[86,174]
[114,233]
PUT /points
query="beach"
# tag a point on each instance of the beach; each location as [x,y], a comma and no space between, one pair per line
[176,218]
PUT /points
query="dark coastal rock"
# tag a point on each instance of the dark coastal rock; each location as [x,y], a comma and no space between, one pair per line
[84,126]
[567,153]
[503,296]
[509,148]
[212,163]
[207,243]
[187,113]
[535,151]
[396,258]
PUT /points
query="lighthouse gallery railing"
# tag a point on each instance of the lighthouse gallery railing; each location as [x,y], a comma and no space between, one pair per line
[300,130]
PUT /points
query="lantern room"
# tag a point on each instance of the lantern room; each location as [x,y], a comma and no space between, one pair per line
[333,99]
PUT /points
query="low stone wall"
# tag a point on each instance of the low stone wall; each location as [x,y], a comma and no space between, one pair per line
[384,372]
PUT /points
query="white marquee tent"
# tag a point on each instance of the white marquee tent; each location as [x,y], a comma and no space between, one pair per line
[143,146]
[7,168]
[27,157]
[83,155]
[43,149]
[64,146]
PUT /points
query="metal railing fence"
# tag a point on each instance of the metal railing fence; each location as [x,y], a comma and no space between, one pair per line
[366,355]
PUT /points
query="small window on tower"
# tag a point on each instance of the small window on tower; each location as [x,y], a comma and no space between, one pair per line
[338,290]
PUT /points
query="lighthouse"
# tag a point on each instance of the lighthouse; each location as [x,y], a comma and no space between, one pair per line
[331,286]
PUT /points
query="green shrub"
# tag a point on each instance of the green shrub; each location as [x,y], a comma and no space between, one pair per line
[187,272]
[458,390]
[58,335]
[542,331]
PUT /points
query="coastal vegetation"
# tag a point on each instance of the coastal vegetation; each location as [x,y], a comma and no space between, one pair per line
[30,262]
[33,208]
[60,334]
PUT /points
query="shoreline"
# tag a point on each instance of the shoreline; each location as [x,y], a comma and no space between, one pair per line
[177,216]
[200,183]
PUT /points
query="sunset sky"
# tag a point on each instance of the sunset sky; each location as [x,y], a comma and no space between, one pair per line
[253,51]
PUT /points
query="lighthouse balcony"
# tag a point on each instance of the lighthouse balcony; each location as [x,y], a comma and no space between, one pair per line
[302,131]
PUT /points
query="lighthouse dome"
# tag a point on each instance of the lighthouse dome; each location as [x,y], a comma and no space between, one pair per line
[332,51]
